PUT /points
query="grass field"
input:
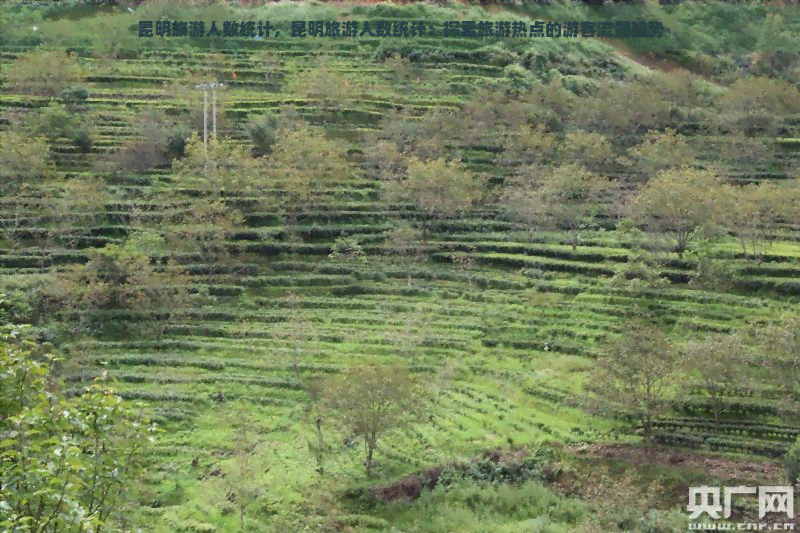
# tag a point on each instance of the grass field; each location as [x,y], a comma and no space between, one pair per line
[506,336]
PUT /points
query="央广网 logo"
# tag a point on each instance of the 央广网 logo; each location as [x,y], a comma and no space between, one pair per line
[713,503]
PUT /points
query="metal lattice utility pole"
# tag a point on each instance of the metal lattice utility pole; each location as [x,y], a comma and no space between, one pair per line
[214,86]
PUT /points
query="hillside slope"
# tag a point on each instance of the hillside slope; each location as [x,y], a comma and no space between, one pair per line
[502,322]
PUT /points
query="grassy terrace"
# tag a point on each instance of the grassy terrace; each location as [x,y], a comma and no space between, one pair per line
[507,333]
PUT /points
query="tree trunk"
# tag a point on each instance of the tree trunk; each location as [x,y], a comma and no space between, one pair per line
[321,451]
[647,423]
[369,444]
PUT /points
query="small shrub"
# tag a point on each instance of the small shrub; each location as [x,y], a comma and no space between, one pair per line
[176,144]
[55,120]
[83,142]
[74,95]
[159,141]
[791,463]
[347,248]
[15,308]
[263,132]
[400,68]
[579,85]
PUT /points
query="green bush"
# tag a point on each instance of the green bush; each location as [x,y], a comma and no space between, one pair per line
[82,140]
[263,132]
[791,463]
[44,73]
[579,85]
[24,158]
[158,141]
[15,308]
[74,95]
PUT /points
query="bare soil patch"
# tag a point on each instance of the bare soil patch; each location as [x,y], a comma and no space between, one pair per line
[711,465]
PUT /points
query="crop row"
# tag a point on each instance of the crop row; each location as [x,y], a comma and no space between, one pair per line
[765,449]
[744,428]
[742,408]
[215,364]
[129,377]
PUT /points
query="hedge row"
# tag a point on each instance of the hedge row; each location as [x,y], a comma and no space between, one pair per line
[742,427]
[536,251]
[777,285]
[735,408]
[721,444]
[516,261]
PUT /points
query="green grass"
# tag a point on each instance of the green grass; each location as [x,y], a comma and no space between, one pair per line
[509,353]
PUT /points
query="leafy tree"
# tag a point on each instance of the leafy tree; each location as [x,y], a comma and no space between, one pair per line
[562,198]
[401,69]
[263,131]
[761,94]
[712,273]
[157,140]
[74,95]
[403,242]
[777,346]
[635,372]
[590,149]
[717,362]
[44,73]
[58,120]
[659,152]
[347,249]
[203,226]
[555,106]
[491,111]
[23,160]
[642,271]
[303,166]
[755,104]
[757,210]
[529,146]
[385,161]
[242,482]
[436,135]
[679,202]
[372,400]
[439,188]
[304,163]
[684,89]
[624,110]
[119,278]
[66,464]
[76,204]
[734,151]
[227,167]
[323,84]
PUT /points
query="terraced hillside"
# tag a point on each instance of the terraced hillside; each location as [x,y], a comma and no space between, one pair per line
[503,323]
